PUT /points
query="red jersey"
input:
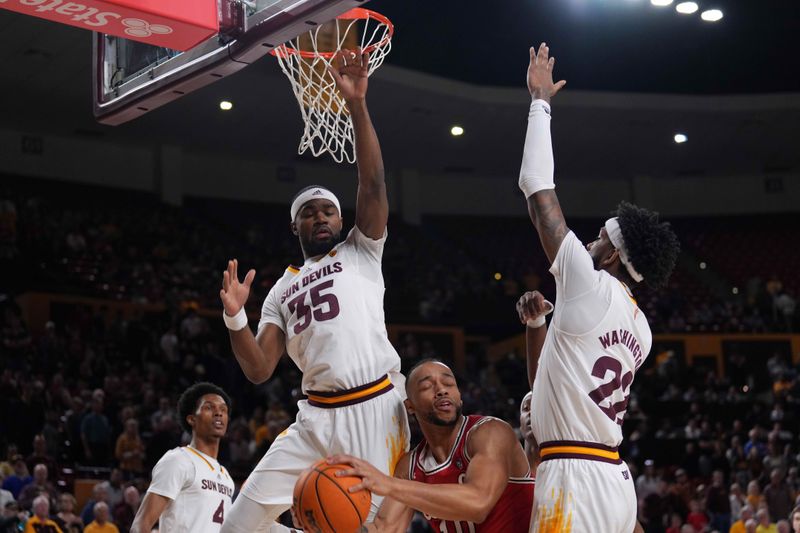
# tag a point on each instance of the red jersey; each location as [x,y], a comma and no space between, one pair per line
[511,513]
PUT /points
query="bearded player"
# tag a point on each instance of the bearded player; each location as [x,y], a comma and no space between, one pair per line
[469,473]
[190,491]
[328,315]
[597,340]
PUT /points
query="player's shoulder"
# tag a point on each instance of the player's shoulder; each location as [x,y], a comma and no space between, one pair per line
[489,431]
[175,459]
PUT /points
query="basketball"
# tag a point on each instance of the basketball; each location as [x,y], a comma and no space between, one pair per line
[322,504]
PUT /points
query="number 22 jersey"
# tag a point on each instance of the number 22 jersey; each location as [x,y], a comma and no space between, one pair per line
[331,310]
[596,342]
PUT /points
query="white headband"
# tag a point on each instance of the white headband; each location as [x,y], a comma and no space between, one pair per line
[615,235]
[315,193]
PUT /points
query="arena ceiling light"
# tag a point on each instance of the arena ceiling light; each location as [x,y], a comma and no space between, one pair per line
[711,15]
[687,8]
[456,131]
[680,138]
[226,105]
[661,3]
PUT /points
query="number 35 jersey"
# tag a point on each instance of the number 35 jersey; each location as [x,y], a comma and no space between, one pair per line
[597,340]
[331,311]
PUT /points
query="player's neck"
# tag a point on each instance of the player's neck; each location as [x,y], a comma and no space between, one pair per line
[209,446]
[441,439]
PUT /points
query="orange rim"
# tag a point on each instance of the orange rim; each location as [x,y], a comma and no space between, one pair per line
[354,14]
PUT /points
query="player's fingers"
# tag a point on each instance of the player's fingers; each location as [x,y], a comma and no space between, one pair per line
[532,53]
[235,273]
[559,85]
[248,279]
[550,63]
[357,487]
[365,59]
[348,472]
[342,458]
[226,281]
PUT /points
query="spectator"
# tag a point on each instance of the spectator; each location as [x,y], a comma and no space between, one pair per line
[696,517]
[12,519]
[647,483]
[783,526]
[99,494]
[718,504]
[40,522]
[737,501]
[675,523]
[130,449]
[765,525]
[40,455]
[96,434]
[40,486]
[101,523]
[5,495]
[740,526]
[66,518]
[19,478]
[164,409]
[778,496]
[794,518]
[754,496]
[114,487]
[125,511]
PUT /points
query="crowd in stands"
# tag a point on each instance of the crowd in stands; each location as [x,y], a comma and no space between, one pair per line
[93,392]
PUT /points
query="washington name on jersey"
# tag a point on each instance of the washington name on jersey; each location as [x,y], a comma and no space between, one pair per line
[511,513]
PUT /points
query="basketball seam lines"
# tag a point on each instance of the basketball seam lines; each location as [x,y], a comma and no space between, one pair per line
[316,493]
[347,494]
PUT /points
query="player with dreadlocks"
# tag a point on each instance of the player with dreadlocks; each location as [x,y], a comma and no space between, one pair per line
[597,340]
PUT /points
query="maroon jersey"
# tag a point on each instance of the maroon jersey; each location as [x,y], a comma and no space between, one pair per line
[511,513]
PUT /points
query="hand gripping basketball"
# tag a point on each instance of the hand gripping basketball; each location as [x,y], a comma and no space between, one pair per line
[325,502]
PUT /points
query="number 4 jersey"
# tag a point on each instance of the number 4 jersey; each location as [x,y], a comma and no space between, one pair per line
[331,310]
[200,489]
[597,340]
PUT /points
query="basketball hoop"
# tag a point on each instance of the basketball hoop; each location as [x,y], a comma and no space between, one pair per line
[305,61]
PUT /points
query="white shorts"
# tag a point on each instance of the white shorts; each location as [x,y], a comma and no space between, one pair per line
[583,495]
[375,430]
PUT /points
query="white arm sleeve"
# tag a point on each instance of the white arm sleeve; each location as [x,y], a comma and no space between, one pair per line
[172,473]
[536,173]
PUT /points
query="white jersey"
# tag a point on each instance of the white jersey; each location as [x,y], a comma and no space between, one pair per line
[201,491]
[331,311]
[597,340]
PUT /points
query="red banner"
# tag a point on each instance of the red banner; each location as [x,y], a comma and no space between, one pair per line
[176,24]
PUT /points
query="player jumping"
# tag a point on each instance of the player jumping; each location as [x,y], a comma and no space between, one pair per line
[597,340]
[328,315]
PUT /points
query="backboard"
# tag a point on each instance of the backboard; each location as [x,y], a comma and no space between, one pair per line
[132,78]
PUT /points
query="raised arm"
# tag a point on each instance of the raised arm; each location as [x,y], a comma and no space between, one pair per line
[471,501]
[532,308]
[350,70]
[257,356]
[147,515]
[536,178]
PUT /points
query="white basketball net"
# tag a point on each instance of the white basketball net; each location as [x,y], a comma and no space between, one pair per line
[328,127]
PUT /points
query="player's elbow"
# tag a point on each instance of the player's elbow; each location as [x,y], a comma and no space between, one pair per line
[257,376]
[480,512]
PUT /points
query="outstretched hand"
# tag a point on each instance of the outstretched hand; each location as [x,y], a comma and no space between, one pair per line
[372,479]
[234,294]
[350,69]
[540,74]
